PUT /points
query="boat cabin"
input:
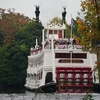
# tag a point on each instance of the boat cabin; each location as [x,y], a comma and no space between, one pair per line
[55,31]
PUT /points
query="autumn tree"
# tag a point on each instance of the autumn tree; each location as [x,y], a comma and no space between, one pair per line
[17,35]
[10,23]
[89,27]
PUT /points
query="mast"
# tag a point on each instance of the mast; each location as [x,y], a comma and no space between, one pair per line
[53,59]
[37,12]
[71,26]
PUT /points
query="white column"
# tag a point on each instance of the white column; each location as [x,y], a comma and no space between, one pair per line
[36,42]
[43,78]
[71,58]
[91,65]
[53,61]
[63,34]
[43,39]
[96,71]
[57,34]
[71,27]
[91,61]
[47,34]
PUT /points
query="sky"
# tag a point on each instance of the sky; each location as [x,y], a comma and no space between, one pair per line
[48,8]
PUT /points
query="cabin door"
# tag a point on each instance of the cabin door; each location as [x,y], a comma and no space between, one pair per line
[60,34]
[48,77]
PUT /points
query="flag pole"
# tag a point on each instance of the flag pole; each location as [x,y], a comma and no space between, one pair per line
[71,39]
[71,26]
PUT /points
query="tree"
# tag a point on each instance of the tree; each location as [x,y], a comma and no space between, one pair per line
[74,27]
[88,28]
[56,21]
[13,57]
[5,70]
[28,34]
[1,39]
[10,23]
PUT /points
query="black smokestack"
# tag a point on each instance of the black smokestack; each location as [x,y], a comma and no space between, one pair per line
[37,12]
[64,16]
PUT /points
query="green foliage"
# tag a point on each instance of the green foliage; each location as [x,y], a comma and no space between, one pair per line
[89,28]
[18,62]
[13,57]
[1,39]
[75,28]
[4,62]
[56,20]
[10,23]
[88,97]
[28,34]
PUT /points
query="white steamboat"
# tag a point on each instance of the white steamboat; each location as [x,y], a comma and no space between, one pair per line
[60,65]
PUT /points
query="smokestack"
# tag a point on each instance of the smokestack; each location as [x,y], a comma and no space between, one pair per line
[37,12]
[64,16]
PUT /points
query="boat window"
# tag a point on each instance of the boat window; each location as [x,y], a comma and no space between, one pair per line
[40,75]
[50,32]
[62,55]
[68,55]
[55,31]
[79,55]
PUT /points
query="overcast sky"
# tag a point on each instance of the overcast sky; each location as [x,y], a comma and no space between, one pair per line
[48,8]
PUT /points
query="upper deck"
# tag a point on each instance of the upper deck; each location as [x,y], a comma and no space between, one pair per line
[53,37]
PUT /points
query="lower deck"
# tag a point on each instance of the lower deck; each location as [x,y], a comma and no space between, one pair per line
[68,80]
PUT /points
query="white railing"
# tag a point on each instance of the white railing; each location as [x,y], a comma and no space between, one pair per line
[64,47]
[34,52]
[32,83]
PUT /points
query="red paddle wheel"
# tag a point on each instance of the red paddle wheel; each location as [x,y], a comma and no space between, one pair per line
[74,79]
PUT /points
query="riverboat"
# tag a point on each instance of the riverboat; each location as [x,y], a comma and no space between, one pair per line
[60,65]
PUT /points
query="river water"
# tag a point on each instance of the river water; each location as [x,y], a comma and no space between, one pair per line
[44,96]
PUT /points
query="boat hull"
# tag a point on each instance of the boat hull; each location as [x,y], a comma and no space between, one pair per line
[47,88]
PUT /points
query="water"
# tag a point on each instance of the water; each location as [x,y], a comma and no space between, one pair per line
[44,96]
